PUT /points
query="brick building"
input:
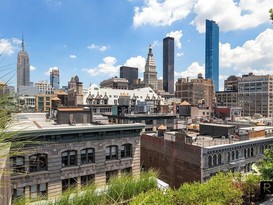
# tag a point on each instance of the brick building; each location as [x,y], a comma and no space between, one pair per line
[192,156]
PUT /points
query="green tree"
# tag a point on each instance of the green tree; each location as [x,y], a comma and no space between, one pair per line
[271,14]
[265,166]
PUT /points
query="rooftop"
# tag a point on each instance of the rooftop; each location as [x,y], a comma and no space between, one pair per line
[37,122]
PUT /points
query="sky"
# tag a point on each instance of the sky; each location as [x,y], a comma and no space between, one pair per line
[93,38]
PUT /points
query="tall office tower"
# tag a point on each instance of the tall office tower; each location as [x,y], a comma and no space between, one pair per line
[168,64]
[130,73]
[212,53]
[23,67]
[150,74]
[55,78]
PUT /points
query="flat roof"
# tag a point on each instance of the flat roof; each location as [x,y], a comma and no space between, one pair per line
[37,123]
[216,125]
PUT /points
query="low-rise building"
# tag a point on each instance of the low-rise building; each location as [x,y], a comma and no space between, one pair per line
[70,155]
[192,156]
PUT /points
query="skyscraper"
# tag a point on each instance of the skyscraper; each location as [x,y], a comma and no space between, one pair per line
[212,53]
[23,67]
[168,64]
[55,78]
[130,73]
[150,74]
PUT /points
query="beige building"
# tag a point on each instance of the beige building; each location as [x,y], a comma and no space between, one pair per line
[115,83]
[43,102]
[195,91]
[255,94]
[71,156]
[150,74]
[227,98]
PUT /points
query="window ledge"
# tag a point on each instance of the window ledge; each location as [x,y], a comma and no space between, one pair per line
[110,161]
[88,165]
[38,172]
[69,168]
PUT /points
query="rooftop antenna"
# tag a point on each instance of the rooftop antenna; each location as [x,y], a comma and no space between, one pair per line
[23,46]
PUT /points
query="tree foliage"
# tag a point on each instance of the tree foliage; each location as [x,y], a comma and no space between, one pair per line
[271,14]
[266,165]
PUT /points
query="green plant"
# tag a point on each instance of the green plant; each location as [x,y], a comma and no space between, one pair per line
[265,165]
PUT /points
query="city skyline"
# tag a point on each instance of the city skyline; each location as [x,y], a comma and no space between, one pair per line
[69,36]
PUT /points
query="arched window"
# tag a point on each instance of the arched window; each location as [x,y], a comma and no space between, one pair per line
[251,152]
[210,161]
[17,164]
[69,158]
[126,150]
[111,152]
[219,159]
[38,162]
[214,159]
[87,155]
[261,149]
[233,155]
[237,154]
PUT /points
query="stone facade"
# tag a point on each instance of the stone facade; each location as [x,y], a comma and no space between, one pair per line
[65,151]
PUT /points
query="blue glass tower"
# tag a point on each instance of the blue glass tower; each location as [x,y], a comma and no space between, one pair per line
[212,53]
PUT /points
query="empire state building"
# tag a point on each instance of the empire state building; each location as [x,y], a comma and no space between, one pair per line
[23,67]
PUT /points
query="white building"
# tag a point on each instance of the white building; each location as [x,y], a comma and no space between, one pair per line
[112,95]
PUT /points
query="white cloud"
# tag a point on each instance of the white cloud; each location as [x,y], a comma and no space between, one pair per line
[231,15]
[161,13]
[100,48]
[177,35]
[50,69]
[138,62]
[32,68]
[6,46]
[191,71]
[180,54]
[108,67]
[253,56]
[72,56]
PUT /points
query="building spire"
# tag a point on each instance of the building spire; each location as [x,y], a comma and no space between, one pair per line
[23,46]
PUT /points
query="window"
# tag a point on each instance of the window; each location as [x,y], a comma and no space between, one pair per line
[237,154]
[68,183]
[210,161]
[111,152]
[111,174]
[39,190]
[126,150]
[69,158]
[87,156]
[214,159]
[232,155]
[17,193]
[219,159]
[87,180]
[37,162]
[17,164]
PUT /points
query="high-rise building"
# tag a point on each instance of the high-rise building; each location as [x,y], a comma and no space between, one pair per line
[212,53]
[23,67]
[55,78]
[130,73]
[150,74]
[168,64]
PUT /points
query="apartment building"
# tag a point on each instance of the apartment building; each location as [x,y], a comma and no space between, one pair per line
[195,90]
[255,95]
[71,155]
